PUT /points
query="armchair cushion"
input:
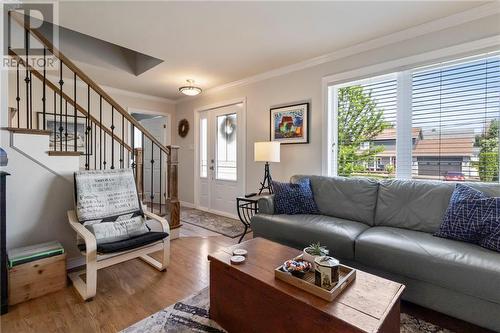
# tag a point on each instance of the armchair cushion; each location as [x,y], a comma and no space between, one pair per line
[128,244]
[108,205]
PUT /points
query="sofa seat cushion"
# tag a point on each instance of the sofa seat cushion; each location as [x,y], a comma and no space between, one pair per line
[299,231]
[128,244]
[459,266]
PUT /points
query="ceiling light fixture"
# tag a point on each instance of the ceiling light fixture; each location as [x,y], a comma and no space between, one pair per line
[190,89]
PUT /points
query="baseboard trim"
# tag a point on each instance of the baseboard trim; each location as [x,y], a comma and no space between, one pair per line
[217,212]
[187,204]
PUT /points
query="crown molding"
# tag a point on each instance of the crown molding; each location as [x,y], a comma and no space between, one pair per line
[410,33]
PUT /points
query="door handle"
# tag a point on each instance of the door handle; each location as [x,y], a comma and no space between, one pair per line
[211,168]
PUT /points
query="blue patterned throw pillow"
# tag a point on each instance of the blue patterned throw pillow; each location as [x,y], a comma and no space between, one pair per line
[472,217]
[492,239]
[294,198]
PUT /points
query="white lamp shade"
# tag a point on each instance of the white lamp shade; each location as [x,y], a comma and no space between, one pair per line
[267,151]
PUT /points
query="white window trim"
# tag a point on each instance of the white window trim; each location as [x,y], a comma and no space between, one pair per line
[404,65]
[404,140]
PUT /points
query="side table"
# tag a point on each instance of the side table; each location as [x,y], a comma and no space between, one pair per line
[247,207]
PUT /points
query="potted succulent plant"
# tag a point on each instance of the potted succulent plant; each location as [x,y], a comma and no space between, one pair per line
[314,250]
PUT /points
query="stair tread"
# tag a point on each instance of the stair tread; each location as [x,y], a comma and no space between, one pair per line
[27,131]
[64,153]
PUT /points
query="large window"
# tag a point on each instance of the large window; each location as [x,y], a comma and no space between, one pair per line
[449,116]
[367,127]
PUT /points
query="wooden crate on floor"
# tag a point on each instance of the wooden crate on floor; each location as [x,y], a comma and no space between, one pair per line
[36,278]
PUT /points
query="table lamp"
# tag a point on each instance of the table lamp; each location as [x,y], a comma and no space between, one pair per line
[266,152]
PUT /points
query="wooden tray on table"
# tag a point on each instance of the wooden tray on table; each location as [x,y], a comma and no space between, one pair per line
[346,276]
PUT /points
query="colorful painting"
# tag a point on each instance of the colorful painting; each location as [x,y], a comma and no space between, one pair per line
[289,124]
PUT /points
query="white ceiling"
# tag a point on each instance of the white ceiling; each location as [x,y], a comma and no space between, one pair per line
[219,42]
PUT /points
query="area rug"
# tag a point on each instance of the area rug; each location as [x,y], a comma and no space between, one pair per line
[222,225]
[191,315]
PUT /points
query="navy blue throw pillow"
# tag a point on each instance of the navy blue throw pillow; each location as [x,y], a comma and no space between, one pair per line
[492,239]
[472,217]
[294,198]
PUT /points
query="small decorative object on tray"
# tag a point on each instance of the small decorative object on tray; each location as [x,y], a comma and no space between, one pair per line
[314,250]
[297,268]
[240,252]
[307,280]
[236,260]
[326,272]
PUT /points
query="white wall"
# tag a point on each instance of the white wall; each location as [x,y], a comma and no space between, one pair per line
[305,85]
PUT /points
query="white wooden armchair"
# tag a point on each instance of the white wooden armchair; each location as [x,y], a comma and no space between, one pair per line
[99,256]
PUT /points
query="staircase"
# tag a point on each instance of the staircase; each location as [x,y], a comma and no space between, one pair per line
[81,121]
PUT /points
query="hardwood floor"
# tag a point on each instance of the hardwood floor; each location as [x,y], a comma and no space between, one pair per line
[131,291]
[126,293]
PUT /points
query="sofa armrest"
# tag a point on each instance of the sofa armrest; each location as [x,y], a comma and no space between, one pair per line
[266,204]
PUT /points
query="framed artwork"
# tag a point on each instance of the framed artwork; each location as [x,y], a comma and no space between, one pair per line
[290,124]
[52,123]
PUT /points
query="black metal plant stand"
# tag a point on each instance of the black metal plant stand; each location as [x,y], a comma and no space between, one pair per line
[267,184]
[247,207]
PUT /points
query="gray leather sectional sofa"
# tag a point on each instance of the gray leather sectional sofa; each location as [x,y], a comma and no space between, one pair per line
[386,228]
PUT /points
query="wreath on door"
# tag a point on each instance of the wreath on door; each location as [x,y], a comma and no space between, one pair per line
[183,128]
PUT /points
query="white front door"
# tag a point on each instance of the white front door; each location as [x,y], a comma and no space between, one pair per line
[220,159]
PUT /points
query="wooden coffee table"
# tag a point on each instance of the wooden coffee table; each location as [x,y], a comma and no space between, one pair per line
[248,298]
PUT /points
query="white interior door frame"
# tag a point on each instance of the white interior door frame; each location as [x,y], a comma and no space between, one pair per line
[242,129]
[168,131]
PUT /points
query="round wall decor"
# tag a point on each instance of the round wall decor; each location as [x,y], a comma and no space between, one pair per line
[183,128]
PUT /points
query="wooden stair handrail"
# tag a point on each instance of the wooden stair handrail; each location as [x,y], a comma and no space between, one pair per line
[57,53]
[70,101]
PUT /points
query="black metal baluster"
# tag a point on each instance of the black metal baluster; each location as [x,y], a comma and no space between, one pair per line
[100,132]
[31,100]
[152,193]
[161,162]
[104,151]
[132,137]
[112,137]
[75,131]
[27,79]
[87,131]
[143,151]
[122,152]
[18,99]
[95,147]
[65,125]
[44,87]
[91,152]
[61,82]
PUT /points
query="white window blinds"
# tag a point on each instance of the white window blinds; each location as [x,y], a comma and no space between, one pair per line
[456,113]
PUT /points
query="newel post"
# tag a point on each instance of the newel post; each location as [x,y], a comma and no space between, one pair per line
[173,190]
[139,171]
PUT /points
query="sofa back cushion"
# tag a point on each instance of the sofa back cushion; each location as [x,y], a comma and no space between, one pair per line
[347,198]
[418,205]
